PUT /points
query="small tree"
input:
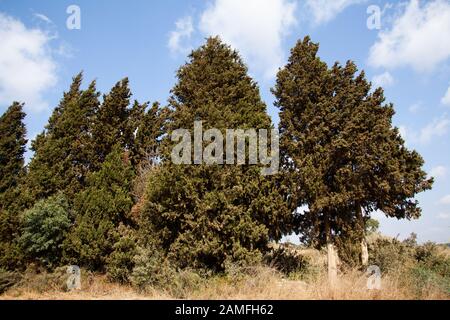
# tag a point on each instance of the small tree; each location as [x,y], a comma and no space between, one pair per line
[100,209]
[44,229]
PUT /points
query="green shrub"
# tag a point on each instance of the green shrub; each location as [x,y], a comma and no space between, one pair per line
[120,262]
[11,256]
[419,267]
[44,230]
[422,278]
[391,255]
[153,270]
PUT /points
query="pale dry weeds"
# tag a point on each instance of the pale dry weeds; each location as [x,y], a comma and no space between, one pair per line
[264,283]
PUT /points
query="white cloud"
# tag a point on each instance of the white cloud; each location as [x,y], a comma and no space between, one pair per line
[444,216]
[27,68]
[179,38]
[383,80]
[445,200]
[416,107]
[438,172]
[418,37]
[324,11]
[255,27]
[446,98]
[437,128]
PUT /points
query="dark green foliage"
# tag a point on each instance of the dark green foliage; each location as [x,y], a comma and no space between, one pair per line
[12,149]
[111,125]
[149,126]
[120,262]
[136,129]
[44,229]
[287,261]
[100,208]
[343,157]
[212,216]
[64,152]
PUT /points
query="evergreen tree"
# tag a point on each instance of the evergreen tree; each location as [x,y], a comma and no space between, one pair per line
[341,151]
[149,125]
[64,152]
[12,149]
[100,209]
[207,216]
[111,125]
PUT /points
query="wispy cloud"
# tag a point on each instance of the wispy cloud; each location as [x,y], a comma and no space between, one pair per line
[323,11]
[383,80]
[446,98]
[445,199]
[444,215]
[437,128]
[416,107]
[42,17]
[439,172]
[179,38]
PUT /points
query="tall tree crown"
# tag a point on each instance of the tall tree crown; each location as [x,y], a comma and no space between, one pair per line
[339,145]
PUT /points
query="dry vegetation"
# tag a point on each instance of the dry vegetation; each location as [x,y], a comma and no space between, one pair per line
[307,280]
[265,283]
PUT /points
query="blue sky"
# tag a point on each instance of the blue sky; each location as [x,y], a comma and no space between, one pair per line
[409,55]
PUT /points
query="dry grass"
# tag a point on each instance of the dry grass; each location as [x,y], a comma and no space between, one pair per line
[260,283]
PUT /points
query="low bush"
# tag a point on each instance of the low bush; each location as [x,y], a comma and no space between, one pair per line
[8,279]
[44,229]
[120,262]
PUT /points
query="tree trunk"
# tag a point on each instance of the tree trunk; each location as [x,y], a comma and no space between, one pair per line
[331,253]
[364,250]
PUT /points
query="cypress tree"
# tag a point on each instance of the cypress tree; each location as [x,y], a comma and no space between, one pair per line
[149,128]
[64,152]
[208,216]
[12,149]
[111,122]
[99,210]
[339,147]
